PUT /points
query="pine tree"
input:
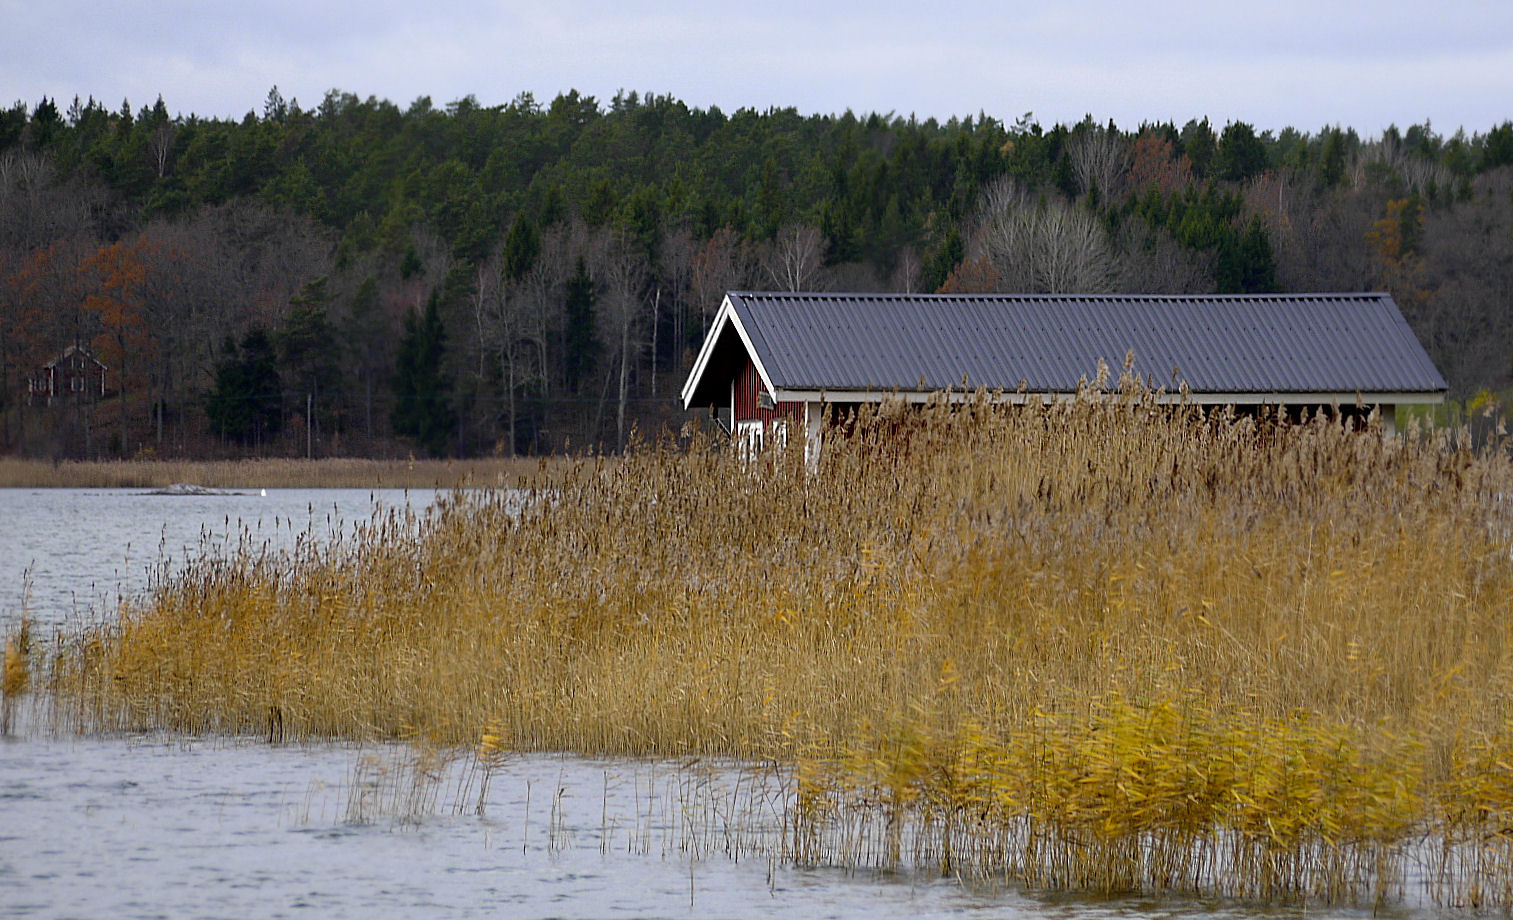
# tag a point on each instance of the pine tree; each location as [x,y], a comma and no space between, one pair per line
[1239,154]
[1198,144]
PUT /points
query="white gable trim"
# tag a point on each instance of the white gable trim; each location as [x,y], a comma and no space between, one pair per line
[726,315]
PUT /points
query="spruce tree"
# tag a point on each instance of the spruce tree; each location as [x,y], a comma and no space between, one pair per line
[1333,168]
[581,345]
[244,405]
[422,408]
[942,260]
[521,248]
[309,350]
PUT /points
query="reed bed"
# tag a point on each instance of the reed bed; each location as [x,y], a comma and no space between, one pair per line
[1097,645]
[331,473]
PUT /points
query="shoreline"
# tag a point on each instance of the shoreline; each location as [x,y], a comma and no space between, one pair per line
[327,473]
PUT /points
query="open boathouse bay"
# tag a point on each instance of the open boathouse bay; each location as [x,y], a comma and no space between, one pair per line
[1101,645]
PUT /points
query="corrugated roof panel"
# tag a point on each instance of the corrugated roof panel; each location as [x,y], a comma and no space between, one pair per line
[1216,344]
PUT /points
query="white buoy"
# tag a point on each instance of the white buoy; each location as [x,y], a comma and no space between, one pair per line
[263,493]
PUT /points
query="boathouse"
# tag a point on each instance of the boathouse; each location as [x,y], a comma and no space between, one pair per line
[803,357]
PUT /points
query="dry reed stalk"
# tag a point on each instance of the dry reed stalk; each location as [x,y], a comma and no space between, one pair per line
[1198,639]
[15,675]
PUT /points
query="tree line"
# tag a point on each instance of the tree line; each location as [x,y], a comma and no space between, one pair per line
[358,278]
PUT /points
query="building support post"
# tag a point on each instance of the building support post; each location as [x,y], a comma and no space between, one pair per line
[814,414]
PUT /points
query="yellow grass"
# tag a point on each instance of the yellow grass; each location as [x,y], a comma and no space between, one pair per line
[334,473]
[15,672]
[1098,645]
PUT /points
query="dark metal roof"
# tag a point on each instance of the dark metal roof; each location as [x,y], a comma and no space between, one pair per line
[1282,343]
[72,350]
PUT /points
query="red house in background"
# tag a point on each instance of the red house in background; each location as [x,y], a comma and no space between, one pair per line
[74,373]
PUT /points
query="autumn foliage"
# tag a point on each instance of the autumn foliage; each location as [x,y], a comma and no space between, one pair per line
[153,239]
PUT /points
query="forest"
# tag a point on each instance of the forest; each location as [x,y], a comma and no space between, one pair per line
[362,279]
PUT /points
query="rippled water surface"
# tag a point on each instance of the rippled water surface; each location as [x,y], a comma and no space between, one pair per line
[68,555]
[170,827]
[155,826]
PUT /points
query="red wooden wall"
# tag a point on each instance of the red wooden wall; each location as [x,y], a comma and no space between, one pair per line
[747,385]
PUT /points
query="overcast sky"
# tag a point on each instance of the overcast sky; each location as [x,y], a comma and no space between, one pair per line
[1304,63]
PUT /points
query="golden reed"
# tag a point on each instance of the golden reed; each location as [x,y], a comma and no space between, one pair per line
[1101,644]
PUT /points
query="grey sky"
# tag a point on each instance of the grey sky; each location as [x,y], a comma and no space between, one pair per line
[1305,64]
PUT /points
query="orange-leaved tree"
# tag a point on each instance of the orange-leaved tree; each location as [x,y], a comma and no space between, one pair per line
[1394,242]
[119,273]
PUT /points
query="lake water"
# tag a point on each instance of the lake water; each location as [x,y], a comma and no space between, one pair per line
[148,827]
[68,555]
[167,826]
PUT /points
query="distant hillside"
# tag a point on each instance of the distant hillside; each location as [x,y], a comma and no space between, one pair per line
[359,278]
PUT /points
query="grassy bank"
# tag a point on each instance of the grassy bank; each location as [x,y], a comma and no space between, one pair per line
[336,473]
[1096,646]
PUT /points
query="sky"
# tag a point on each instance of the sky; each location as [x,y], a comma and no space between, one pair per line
[1289,63]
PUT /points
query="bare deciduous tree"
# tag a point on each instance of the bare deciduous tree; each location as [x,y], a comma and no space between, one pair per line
[1042,244]
[795,259]
[264,257]
[1151,261]
[160,146]
[676,255]
[1320,244]
[512,331]
[1100,159]
[622,276]
[1468,262]
[905,271]
[1419,174]
[35,208]
[723,264]
[181,304]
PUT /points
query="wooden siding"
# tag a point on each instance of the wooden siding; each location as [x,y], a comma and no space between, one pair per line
[73,374]
[747,386]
